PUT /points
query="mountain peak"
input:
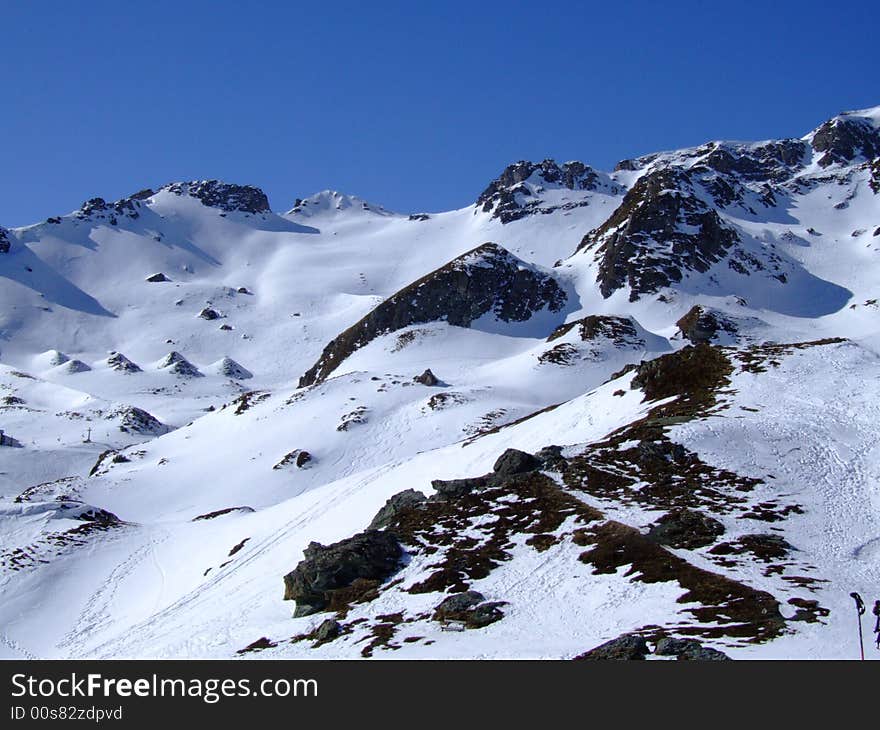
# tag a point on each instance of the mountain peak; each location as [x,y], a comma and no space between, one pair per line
[847,137]
[227,197]
[332,201]
[516,192]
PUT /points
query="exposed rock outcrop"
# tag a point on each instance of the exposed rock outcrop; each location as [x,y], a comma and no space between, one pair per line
[427,378]
[516,192]
[229,368]
[405,500]
[514,461]
[5,240]
[224,196]
[661,231]
[300,458]
[702,325]
[137,420]
[157,278]
[176,363]
[619,330]
[685,528]
[118,361]
[75,366]
[486,280]
[626,647]
[688,649]
[468,608]
[56,358]
[327,570]
[209,313]
[845,138]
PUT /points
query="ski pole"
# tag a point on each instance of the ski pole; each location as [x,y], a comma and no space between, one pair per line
[876,612]
[860,609]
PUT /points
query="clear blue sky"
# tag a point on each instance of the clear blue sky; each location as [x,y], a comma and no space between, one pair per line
[415,106]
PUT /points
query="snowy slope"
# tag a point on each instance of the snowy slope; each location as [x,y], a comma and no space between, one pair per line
[161,470]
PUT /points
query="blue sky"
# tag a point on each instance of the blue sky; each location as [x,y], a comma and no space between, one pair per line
[415,106]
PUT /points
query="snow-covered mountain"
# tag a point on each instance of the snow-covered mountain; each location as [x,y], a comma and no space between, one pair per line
[591,405]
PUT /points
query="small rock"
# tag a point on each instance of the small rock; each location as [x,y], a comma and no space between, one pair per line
[454,488]
[626,647]
[157,278]
[468,608]
[551,456]
[327,631]
[209,314]
[458,602]
[685,528]
[427,378]
[664,450]
[688,649]
[514,461]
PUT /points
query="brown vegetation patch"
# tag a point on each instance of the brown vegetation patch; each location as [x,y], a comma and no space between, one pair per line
[743,611]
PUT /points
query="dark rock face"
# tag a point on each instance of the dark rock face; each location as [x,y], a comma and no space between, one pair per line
[620,330]
[5,240]
[488,279]
[701,325]
[468,608]
[688,649]
[406,500]
[510,198]
[626,647]
[118,361]
[427,378]
[326,569]
[661,231]
[774,161]
[513,461]
[770,162]
[157,278]
[224,196]
[844,138]
[684,528]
